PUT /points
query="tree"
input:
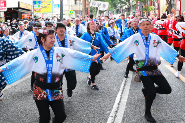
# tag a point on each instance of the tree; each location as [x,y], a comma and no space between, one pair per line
[117,4]
[146,8]
[169,3]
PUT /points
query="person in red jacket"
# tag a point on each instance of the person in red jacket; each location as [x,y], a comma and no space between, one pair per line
[154,29]
[162,28]
[168,25]
[181,28]
[175,34]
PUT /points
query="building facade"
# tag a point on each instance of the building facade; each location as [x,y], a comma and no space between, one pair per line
[18,9]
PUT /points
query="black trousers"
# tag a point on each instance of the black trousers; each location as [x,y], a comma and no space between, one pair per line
[71,79]
[164,37]
[102,53]
[180,64]
[121,34]
[44,112]
[130,64]
[94,70]
[32,78]
[177,48]
[13,31]
[162,88]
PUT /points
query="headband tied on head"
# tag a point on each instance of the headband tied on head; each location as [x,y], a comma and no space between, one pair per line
[112,21]
[91,22]
[5,28]
[135,19]
[42,31]
[144,20]
[37,27]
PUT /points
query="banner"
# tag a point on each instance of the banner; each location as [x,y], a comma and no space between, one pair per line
[137,11]
[43,6]
[3,5]
[100,5]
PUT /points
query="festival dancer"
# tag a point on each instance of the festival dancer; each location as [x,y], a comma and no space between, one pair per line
[48,78]
[133,30]
[30,42]
[122,24]
[106,22]
[49,25]
[147,47]
[8,52]
[68,29]
[162,27]
[5,31]
[22,32]
[181,28]
[105,35]
[64,40]
[69,24]
[97,40]
[78,28]
[113,33]
[169,24]
[175,33]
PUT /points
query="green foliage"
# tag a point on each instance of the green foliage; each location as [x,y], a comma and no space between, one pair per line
[151,8]
[116,4]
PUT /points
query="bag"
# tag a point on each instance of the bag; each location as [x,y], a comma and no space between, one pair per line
[137,77]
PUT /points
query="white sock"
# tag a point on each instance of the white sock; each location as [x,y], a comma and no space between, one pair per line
[177,74]
[1,95]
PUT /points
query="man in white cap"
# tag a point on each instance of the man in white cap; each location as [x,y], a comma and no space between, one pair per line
[18,35]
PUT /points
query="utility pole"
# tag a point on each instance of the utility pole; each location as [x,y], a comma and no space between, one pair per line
[130,8]
[61,10]
[83,8]
[33,10]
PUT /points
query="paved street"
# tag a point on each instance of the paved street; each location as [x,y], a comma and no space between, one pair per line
[89,106]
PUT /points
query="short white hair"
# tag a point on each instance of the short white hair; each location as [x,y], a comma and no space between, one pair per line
[77,19]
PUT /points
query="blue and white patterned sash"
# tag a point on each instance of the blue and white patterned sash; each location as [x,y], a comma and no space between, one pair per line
[49,66]
[147,44]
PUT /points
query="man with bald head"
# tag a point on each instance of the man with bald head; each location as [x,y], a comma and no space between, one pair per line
[78,28]
[69,24]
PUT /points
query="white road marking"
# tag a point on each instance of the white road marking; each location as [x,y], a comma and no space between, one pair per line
[118,110]
[174,71]
[17,82]
[161,58]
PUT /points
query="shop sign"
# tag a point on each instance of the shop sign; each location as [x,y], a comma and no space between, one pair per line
[57,6]
[43,6]
[25,6]
[3,5]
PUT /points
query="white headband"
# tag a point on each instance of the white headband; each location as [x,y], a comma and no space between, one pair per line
[144,20]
